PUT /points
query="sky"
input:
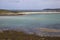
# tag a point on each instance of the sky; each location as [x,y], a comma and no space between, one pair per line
[29,4]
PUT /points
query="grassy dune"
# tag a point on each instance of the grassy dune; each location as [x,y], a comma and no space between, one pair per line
[10,13]
[15,35]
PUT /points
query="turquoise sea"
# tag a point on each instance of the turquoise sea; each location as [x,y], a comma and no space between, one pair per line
[29,22]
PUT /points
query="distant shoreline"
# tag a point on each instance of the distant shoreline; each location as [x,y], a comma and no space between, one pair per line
[26,13]
[38,12]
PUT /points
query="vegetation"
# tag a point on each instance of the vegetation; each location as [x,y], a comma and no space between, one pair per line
[10,13]
[7,11]
[16,35]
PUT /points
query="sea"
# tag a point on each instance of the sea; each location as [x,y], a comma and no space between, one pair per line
[30,22]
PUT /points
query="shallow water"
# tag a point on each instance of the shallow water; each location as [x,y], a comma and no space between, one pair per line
[28,22]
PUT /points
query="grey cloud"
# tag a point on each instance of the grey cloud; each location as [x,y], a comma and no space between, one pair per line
[29,4]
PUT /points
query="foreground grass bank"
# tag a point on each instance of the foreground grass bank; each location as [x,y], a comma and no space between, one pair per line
[14,35]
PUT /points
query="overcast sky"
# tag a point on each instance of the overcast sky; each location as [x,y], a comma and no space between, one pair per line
[29,4]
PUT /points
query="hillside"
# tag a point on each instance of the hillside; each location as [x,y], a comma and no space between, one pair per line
[10,13]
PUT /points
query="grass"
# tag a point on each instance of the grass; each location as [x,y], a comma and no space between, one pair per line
[15,35]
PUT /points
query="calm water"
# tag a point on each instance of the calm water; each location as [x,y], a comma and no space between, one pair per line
[30,21]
